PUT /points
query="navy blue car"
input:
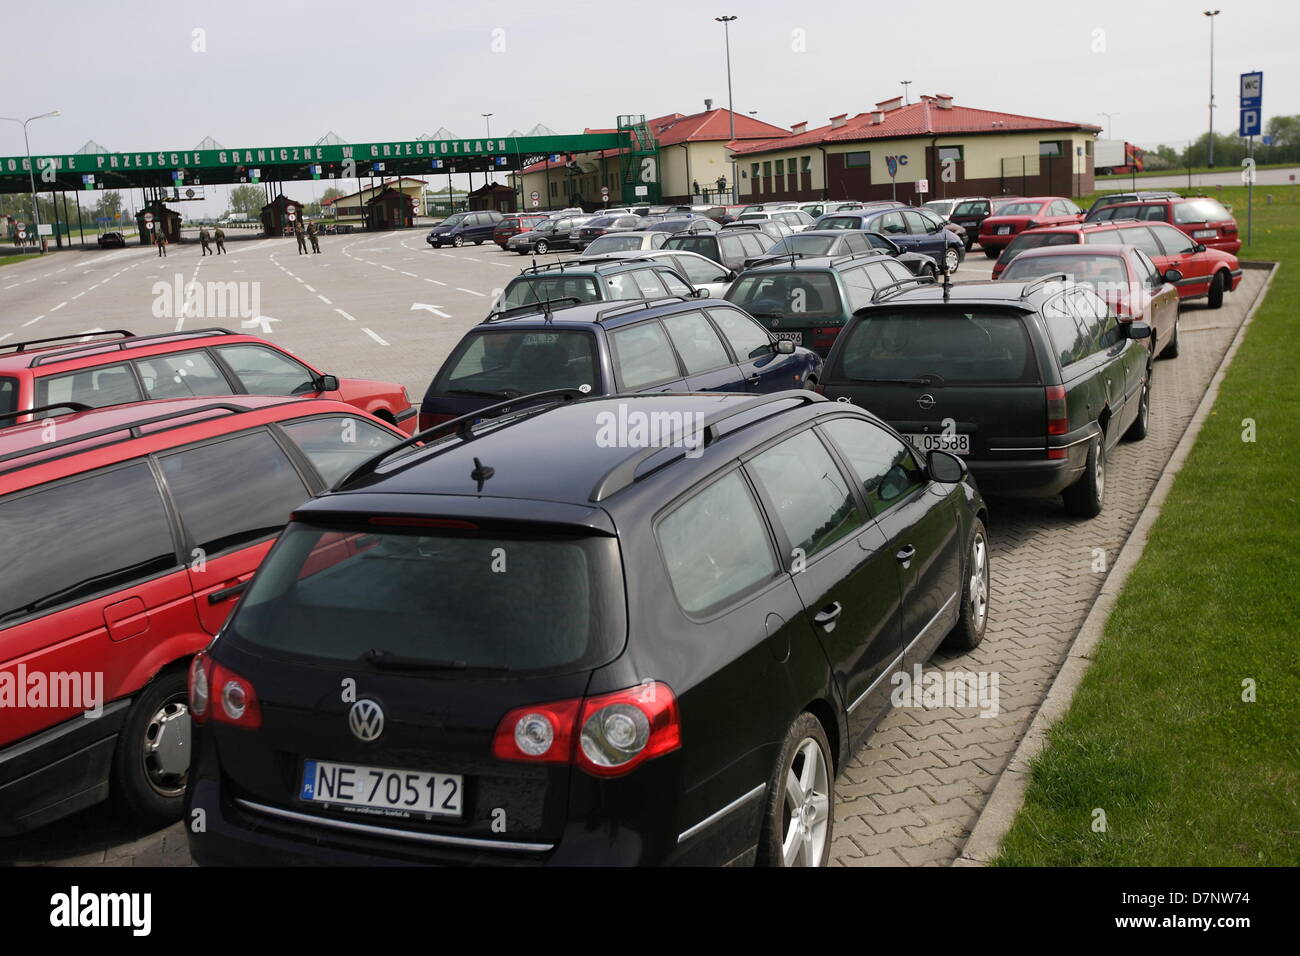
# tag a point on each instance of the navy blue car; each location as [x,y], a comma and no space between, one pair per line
[913,230]
[601,348]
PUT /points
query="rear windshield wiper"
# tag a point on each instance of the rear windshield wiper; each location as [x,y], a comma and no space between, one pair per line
[387,660]
[893,381]
[503,393]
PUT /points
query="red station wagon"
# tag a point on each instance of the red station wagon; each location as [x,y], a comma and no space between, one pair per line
[119,367]
[1201,271]
[997,231]
[1202,218]
[513,225]
[129,531]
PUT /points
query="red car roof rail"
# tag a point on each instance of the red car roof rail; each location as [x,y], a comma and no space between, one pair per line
[133,429]
[68,406]
[122,344]
[22,346]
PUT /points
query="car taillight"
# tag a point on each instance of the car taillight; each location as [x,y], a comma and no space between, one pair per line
[1058,422]
[605,735]
[199,696]
[825,337]
[430,419]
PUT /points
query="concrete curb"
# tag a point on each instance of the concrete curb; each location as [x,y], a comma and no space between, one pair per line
[1008,794]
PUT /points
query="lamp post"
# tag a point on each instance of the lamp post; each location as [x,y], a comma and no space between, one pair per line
[31,169]
[906,84]
[1210,144]
[1108,117]
[487,118]
[731,114]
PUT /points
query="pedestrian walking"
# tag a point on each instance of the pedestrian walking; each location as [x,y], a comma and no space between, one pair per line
[204,239]
[312,235]
[219,234]
[161,238]
[302,239]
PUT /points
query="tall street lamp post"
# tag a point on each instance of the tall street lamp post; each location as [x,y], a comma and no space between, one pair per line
[1210,145]
[731,114]
[31,169]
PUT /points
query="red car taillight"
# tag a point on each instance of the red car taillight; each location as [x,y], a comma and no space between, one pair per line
[236,701]
[824,338]
[605,735]
[430,419]
[1058,422]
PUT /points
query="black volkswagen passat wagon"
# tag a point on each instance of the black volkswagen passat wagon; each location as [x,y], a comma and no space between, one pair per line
[620,630]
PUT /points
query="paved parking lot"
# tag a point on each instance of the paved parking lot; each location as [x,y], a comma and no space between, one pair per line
[386,306]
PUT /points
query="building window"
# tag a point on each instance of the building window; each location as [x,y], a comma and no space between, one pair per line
[753,171]
[1049,149]
[780,167]
[950,152]
[857,160]
[554,190]
[807,164]
[767,169]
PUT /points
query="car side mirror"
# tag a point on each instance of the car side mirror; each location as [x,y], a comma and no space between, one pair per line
[1173,275]
[327,383]
[701,293]
[944,467]
[783,347]
[1199,247]
[1137,330]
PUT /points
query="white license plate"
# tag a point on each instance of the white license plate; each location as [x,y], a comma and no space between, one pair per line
[413,791]
[795,337]
[1205,233]
[938,441]
[1004,230]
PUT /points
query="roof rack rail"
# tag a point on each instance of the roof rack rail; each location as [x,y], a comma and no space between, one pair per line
[864,254]
[132,427]
[463,426]
[894,288]
[59,355]
[69,406]
[624,473]
[22,346]
[500,315]
[636,306]
[1032,287]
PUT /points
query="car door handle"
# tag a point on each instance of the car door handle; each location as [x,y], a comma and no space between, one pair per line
[755,379]
[828,615]
[906,555]
[216,597]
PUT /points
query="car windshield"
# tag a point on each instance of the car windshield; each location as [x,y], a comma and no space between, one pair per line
[704,245]
[501,361]
[839,222]
[357,593]
[600,222]
[455,220]
[1090,268]
[941,207]
[1020,209]
[614,244]
[976,207]
[794,293]
[986,347]
[526,290]
[1036,241]
[805,244]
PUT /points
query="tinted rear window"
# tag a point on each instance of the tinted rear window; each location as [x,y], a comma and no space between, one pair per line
[796,294]
[1200,210]
[704,245]
[808,245]
[532,289]
[1037,241]
[1085,267]
[839,222]
[977,208]
[467,599]
[614,244]
[981,347]
[522,360]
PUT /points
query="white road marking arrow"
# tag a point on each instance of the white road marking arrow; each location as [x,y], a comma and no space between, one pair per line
[263,320]
[429,308]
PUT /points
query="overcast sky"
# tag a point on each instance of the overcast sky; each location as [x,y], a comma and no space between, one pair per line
[127,74]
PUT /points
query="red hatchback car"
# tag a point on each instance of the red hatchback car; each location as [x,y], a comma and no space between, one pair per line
[1202,218]
[1200,271]
[119,367]
[996,232]
[129,531]
[513,225]
[1126,279]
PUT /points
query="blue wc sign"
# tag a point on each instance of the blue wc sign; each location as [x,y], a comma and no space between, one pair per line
[893,162]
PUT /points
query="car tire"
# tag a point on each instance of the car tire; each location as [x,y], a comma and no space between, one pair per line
[931,272]
[142,785]
[1086,497]
[805,762]
[810,383]
[1141,425]
[458,241]
[951,260]
[973,620]
[991,253]
[1171,350]
[478,242]
[1216,291]
[541,247]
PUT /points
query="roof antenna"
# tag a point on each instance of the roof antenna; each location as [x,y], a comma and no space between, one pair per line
[481,473]
[947,280]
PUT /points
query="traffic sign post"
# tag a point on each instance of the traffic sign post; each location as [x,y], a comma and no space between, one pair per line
[1252,109]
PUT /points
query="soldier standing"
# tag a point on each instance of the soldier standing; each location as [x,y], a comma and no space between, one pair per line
[161,238]
[312,235]
[220,235]
[302,240]
[204,239]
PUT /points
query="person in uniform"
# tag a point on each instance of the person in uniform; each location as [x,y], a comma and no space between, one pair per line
[302,239]
[219,234]
[204,238]
[312,235]
[160,237]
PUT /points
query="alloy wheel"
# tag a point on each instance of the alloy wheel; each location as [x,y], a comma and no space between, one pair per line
[979,581]
[806,806]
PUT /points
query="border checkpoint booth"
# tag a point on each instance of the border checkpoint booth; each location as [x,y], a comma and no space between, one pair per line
[275,215]
[391,209]
[168,220]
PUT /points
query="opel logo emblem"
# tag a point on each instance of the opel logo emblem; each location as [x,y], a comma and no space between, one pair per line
[366,720]
[926,401]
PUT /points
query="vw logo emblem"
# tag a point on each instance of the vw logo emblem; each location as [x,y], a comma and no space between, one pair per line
[366,720]
[926,401]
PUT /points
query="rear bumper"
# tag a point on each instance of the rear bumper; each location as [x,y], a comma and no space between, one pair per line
[1027,479]
[995,242]
[58,771]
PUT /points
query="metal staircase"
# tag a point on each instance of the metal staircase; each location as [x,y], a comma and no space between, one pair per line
[640,165]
